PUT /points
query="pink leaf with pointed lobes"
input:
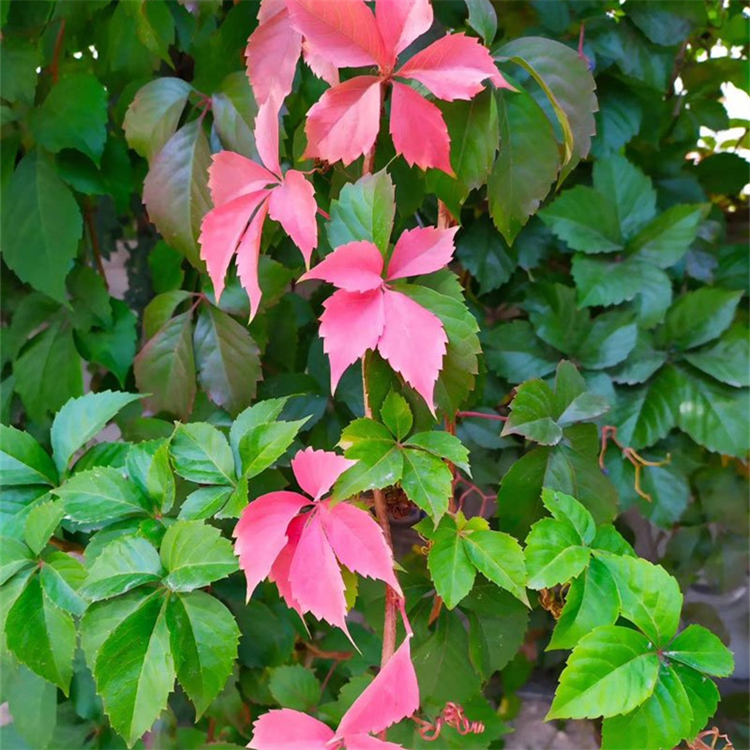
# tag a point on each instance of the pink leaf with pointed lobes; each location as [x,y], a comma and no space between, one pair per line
[419,131]
[286,729]
[316,471]
[414,343]
[358,542]
[350,325]
[269,8]
[356,267]
[267,133]
[453,67]
[231,175]
[401,22]
[343,31]
[420,251]
[315,577]
[248,253]
[271,54]
[365,742]
[280,569]
[293,205]
[261,533]
[319,65]
[393,695]
[344,123]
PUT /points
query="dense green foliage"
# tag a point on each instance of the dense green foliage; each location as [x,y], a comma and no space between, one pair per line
[595,383]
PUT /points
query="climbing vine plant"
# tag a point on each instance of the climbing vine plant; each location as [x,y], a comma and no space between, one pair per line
[433,317]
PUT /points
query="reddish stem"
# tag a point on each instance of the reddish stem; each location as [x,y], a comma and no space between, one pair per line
[55,66]
[482,415]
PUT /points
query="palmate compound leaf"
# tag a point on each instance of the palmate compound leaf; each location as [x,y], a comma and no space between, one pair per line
[702,650]
[450,566]
[202,454]
[554,553]
[204,638]
[611,671]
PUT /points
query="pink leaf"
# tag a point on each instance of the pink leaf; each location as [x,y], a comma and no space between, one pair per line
[280,569]
[221,230]
[413,342]
[391,696]
[401,22]
[272,52]
[365,742]
[350,325]
[247,258]
[420,251]
[267,133]
[231,175]
[358,542]
[343,31]
[286,729]
[316,471]
[315,577]
[293,205]
[320,65]
[269,8]
[356,267]
[261,533]
[345,122]
[453,67]
[418,130]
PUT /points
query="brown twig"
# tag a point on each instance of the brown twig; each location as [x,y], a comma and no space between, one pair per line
[481,415]
[55,65]
[66,546]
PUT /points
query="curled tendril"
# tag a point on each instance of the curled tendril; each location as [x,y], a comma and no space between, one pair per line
[712,736]
[452,716]
[609,432]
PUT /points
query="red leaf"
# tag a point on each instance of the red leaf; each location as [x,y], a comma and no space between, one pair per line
[316,471]
[421,251]
[231,175]
[247,258]
[401,22]
[286,729]
[344,123]
[293,205]
[267,133]
[355,267]
[418,130]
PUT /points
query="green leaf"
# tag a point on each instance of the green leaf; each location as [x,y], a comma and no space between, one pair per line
[155,27]
[699,317]
[483,19]
[165,367]
[554,553]
[642,363]
[101,496]
[149,467]
[123,564]
[396,415]
[204,502]
[160,309]
[265,444]
[14,556]
[204,637]
[153,115]
[175,191]
[74,115]
[427,482]
[584,219]
[195,555]
[41,636]
[81,419]
[727,359]
[712,414]
[665,240]
[611,671]
[499,558]
[566,508]
[32,702]
[513,352]
[135,670]
[607,341]
[234,110]
[23,460]
[228,360]
[61,576]
[294,686]
[483,252]
[444,445]
[527,165]
[702,650]
[631,191]
[41,523]
[662,721]
[608,538]
[591,602]
[555,317]
[202,454]
[566,80]
[450,566]
[532,414]
[19,60]
[651,598]
[702,694]
[41,226]
[364,210]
